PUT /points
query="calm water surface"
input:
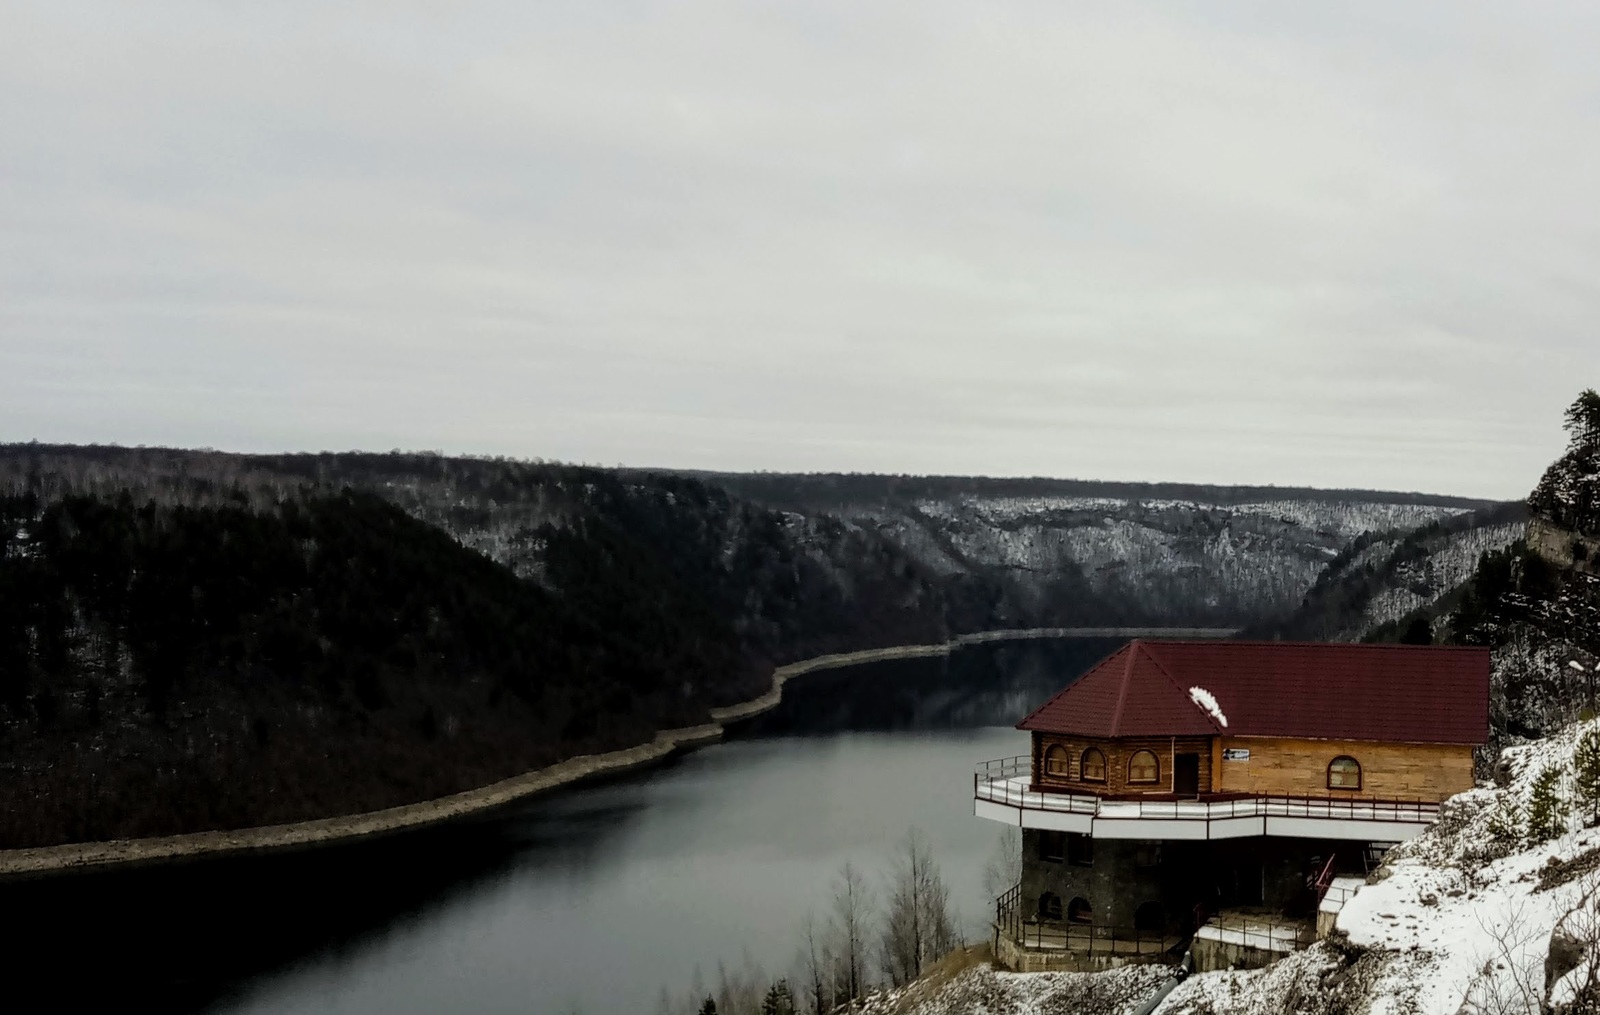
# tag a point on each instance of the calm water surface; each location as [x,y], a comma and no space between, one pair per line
[598,898]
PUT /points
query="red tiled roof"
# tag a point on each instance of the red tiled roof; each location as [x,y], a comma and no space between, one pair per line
[1395,693]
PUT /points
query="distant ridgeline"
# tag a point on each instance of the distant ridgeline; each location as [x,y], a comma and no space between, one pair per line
[193,640]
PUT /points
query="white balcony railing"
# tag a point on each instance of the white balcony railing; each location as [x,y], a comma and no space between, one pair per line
[1008,782]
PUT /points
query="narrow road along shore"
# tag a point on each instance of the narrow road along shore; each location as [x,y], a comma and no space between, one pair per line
[47,860]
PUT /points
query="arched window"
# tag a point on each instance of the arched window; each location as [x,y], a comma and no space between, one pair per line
[1055,762]
[1143,767]
[1049,906]
[1094,765]
[1079,911]
[1344,772]
[1149,916]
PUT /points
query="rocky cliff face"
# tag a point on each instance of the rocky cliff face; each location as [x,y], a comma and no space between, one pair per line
[1153,553]
[1566,503]
[1382,580]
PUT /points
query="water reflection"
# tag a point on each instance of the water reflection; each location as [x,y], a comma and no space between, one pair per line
[994,685]
[592,899]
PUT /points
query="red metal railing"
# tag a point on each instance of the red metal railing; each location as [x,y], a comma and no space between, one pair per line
[1008,781]
[1324,879]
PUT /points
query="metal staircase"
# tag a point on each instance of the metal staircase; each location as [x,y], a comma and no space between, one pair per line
[1372,854]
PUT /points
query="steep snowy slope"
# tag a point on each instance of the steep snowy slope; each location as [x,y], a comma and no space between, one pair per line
[1384,576]
[1463,918]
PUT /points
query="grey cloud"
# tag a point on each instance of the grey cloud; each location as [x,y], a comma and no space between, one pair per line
[1230,243]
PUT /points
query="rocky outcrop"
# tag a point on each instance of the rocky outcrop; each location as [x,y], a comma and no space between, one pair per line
[1564,547]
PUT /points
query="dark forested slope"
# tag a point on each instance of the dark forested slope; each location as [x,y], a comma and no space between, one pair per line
[191,640]
[172,668]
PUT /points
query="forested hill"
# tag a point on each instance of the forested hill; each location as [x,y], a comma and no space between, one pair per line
[181,668]
[192,639]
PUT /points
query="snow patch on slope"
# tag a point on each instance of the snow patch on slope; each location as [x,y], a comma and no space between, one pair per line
[1420,582]
[985,991]
[1450,926]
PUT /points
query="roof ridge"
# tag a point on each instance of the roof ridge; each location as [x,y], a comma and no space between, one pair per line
[1178,685]
[1258,642]
[1132,649]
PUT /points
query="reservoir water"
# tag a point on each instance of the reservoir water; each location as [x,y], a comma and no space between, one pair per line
[595,899]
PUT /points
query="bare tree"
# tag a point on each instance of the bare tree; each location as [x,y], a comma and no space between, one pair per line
[852,915]
[815,965]
[1524,976]
[739,991]
[1572,966]
[1004,866]
[1509,981]
[917,927]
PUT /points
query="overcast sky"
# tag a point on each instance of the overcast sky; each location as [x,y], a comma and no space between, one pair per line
[1326,244]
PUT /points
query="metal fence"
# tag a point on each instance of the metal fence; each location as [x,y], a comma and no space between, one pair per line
[1265,934]
[1007,781]
[1012,921]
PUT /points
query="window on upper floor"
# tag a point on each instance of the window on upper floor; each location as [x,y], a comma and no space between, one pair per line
[1094,765]
[1080,850]
[1344,772]
[1057,763]
[1143,767]
[1053,846]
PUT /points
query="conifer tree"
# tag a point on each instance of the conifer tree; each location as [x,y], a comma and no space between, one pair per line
[779,1001]
[1506,822]
[1547,811]
[709,1008]
[1586,774]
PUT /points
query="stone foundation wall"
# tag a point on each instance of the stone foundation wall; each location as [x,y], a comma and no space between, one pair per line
[1010,955]
[1115,885]
[1268,872]
[1210,956]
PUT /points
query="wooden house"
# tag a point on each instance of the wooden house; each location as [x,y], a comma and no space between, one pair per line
[1175,778]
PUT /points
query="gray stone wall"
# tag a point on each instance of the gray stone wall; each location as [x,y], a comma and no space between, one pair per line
[1267,872]
[1563,547]
[1115,885]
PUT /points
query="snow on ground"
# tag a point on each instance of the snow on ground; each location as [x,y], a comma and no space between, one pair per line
[1453,925]
[1274,989]
[984,991]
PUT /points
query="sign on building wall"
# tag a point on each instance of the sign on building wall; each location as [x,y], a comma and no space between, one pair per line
[1236,754]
